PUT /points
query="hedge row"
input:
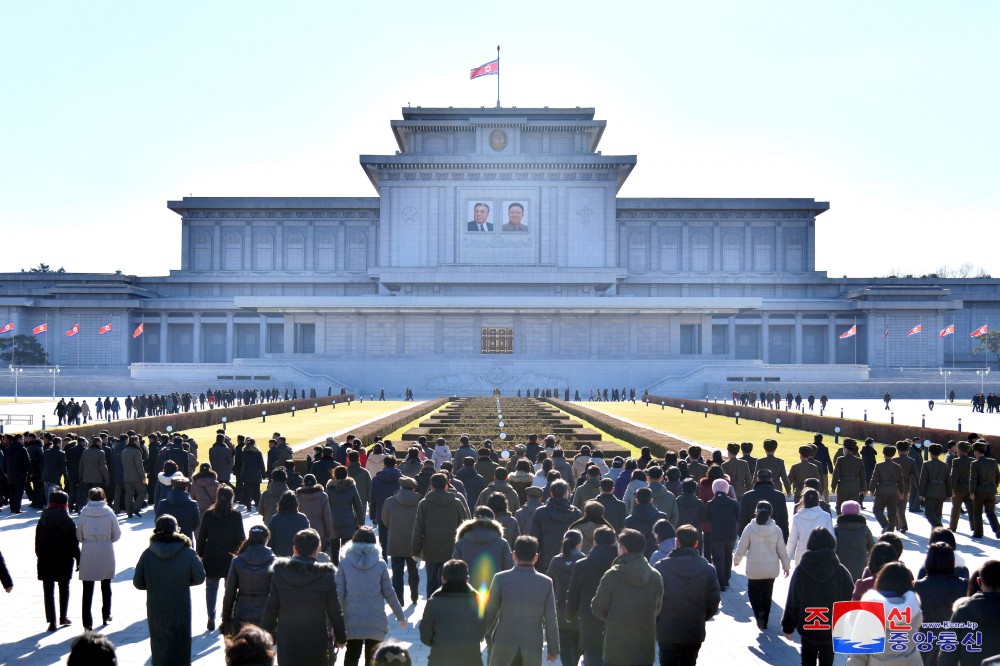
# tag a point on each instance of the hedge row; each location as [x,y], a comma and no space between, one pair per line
[658,443]
[189,420]
[854,428]
[369,432]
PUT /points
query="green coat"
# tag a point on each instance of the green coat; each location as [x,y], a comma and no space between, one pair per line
[439,515]
[166,570]
[628,599]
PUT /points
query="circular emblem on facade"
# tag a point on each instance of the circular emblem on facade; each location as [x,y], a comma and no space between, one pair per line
[498,140]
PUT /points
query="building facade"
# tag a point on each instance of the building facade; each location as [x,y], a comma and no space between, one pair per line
[498,254]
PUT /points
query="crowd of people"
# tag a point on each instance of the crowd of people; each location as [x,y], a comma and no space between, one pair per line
[536,551]
[771,399]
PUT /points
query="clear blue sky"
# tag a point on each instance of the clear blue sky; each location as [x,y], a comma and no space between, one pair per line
[887,110]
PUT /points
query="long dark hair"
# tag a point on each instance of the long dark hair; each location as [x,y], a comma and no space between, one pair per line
[571,541]
[223,501]
[258,536]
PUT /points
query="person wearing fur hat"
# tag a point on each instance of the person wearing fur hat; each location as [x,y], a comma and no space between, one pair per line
[166,570]
[480,544]
[724,514]
[854,538]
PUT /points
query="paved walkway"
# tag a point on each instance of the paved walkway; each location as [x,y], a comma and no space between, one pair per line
[732,635]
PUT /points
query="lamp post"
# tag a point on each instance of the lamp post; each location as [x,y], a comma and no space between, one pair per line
[14,370]
[982,379]
[224,419]
[706,412]
[945,373]
[777,425]
[737,418]
[836,435]
[55,373]
[263,416]
[293,411]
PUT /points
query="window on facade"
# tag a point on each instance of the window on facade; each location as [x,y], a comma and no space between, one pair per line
[637,253]
[732,251]
[326,251]
[794,254]
[201,259]
[263,251]
[701,253]
[232,251]
[295,251]
[720,339]
[690,338]
[763,253]
[357,252]
[669,254]
[498,341]
[305,338]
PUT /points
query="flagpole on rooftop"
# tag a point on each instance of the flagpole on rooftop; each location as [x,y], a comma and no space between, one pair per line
[855,340]
[498,76]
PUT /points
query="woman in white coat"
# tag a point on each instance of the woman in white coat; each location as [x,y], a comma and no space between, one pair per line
[809,516]
[97,530]
[763,544]
[894,589]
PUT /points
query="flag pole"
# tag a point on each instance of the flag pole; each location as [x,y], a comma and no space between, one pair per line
[855,340]
[498,76]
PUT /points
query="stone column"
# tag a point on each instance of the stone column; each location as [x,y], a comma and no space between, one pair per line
[831,340]
[230,340]
[765,338]
[262,336]
[196,354]
[797,349]
[731,337]
[164,347]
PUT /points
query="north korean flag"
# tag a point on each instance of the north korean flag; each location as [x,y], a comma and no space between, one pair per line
[492,67]
[947,330]
[104,329]
[916,329]
[8,327]
[137,332]
[982,330]
[73,331]
[41,328]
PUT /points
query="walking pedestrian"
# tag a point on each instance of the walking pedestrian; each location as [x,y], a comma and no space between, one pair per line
[285,524]
[56,548]
[764,547]
[560,568]
[97,532]
[451,624]
[248,582]
[854,539]
[220,535]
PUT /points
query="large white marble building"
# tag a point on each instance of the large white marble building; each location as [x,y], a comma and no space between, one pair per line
[587,290]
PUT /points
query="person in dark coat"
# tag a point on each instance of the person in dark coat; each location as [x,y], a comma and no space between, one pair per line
[248,582]
[166,570]
[690,508]
[480,544]
[439,515]
[16,467]
[285,524]
[764,491]
[178,503]
[854,539]
[384,485]
[680,627]
[584,578]
[251,473]
[615,511]
[56,548]
[452,625]
[322,469]
[560,569]
[819,580]
[471,479]
[628,599]
[220,536]
[302,600]
[424,477]
[221,457]
[643,517]
[723,514]
[551,521]
[938,590]
[982,608]
[346,510]
[53,468]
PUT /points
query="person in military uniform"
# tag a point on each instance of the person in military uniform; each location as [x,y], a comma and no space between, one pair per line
[910,478]
[747,449]
[775,465]
[801,471]
[696,466]
[983,478]
[848,480]
[887,486]
[737,470]
[959,475]
[821,458]
[934,485]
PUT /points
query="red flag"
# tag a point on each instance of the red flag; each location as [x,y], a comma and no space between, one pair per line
[104,329]
[916,329]
[137,332]
[886,334]
[8,327]
[73,331]
[492,67]
[947,330]
[849,333]
[982,330]
[41,328]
